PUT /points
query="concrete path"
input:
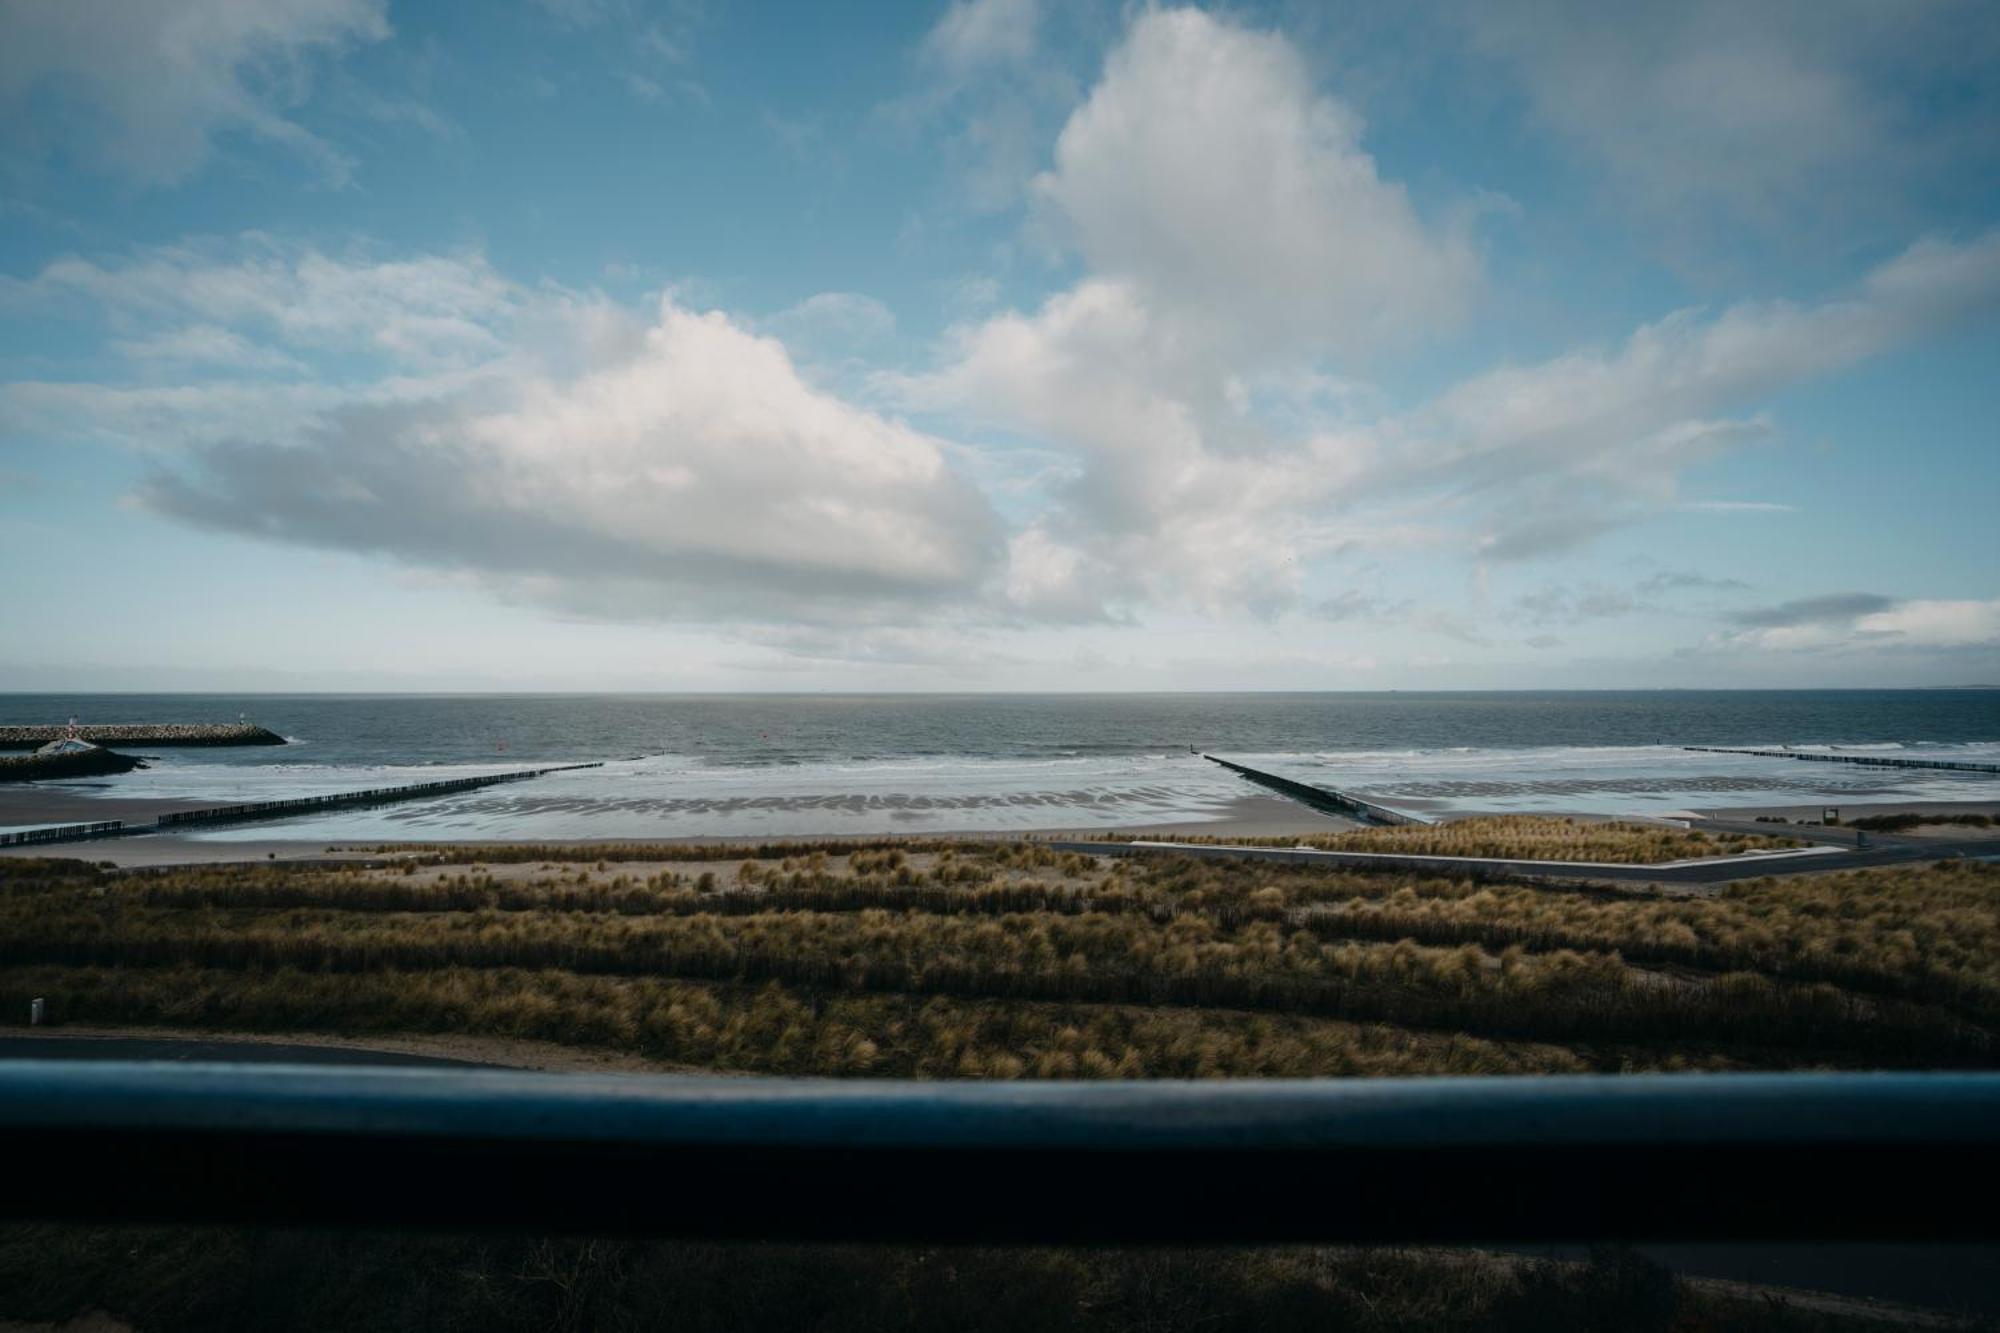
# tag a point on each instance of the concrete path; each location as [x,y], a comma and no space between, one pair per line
[1693,875]
[197,1049]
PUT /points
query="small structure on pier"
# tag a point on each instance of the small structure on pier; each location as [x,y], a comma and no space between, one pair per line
[67,745]
[71,742]
[67,756]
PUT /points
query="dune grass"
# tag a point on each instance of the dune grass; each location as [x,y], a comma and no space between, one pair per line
[512,853]
[174,1279]
[980,960]
[1013,960]
[1524,837]
[1903,822]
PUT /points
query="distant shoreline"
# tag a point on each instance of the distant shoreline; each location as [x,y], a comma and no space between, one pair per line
[1253,816]
[523,693]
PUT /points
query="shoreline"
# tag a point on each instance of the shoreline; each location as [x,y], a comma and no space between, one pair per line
[1247,816]
[30,805]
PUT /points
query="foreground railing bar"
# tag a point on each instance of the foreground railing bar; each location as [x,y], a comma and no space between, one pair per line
[1660,1157]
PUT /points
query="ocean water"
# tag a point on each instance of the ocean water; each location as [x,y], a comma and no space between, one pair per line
[757,765]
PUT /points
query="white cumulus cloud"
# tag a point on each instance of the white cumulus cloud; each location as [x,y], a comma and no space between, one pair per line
[1233,226]
[553,444]
[1589,439]
[1208,171]
[698,477]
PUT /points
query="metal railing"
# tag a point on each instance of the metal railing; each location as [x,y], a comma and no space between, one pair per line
[1718,1157]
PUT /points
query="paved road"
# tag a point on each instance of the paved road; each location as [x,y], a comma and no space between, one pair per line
[195,1049]
[1696,876]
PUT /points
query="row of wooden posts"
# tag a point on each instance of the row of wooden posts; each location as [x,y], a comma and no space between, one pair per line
[1868,760]
[176,821]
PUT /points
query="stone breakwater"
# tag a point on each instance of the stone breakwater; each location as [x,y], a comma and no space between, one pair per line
[74,764]
[144,733]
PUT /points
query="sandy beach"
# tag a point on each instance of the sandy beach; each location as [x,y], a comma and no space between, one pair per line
[29,804]
[1248,816]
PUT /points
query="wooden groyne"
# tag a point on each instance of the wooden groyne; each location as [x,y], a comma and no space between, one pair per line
[143,733]
[63,833]
[180,820]
[1323,799]
[1866,760]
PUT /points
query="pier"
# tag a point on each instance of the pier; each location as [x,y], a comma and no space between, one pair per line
[182,820]
[142,733]
[1323,799]
[1866,760]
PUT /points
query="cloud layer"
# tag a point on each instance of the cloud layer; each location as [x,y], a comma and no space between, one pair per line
[1866,622]
[1781,114]
[1181,421]
[1235,232]
[144,90]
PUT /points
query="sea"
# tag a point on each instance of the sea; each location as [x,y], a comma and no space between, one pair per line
[764,765]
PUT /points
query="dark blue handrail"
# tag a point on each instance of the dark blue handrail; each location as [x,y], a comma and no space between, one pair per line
[1631,1157]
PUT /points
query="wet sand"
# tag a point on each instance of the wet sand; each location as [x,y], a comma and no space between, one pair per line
[72,803]
[1244,817]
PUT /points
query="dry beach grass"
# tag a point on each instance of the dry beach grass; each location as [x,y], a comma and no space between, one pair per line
[1012,960]
[1527,837]
[979,960]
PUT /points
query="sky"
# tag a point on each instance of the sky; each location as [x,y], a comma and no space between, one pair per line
[998,345]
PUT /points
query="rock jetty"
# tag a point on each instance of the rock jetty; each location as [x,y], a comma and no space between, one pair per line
[89,761]
[142,733]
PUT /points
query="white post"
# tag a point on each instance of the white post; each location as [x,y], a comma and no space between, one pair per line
[36,1008]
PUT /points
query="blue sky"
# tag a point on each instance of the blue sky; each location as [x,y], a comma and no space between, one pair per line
[598,344]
